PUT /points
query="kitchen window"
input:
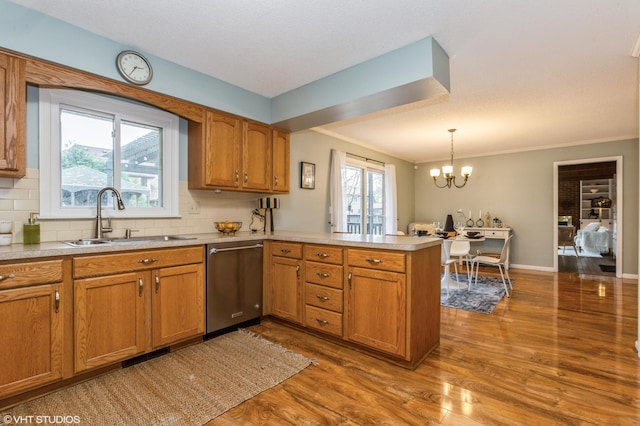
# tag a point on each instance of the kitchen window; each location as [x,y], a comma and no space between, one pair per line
[89,141]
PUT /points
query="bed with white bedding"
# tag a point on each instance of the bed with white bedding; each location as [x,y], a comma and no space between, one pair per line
[593,238]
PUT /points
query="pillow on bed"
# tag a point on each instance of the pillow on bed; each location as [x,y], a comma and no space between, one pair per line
[593,226]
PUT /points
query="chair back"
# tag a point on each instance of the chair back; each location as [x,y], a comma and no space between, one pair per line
[504,254]
[565,235]
[459,248]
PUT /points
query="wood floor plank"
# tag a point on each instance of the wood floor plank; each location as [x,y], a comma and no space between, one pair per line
[559,351]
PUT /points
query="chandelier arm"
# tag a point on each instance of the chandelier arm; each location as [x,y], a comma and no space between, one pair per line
[447,183]
[463,183]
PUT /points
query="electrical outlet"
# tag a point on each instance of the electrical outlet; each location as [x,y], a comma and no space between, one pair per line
[194,207]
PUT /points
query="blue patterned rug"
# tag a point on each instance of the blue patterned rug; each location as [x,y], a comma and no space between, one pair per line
[481,298]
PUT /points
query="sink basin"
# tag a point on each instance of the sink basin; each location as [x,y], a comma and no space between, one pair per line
[150,238]
[98,241]
[87,242]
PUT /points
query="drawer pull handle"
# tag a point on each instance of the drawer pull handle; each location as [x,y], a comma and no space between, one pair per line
[285,251]
[4,277]
[322,255]
[323,274]
[323,298]
[57,301]
[147,261]
[349,278]
[322,322]
[157,283]
[275,180]
[374,260]
[298,271]
[237,176]
[140,286]
[246,177]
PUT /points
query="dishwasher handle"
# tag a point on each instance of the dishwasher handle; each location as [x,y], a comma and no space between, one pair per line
[215,250]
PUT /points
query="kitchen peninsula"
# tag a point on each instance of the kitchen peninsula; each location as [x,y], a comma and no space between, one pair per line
[378,294]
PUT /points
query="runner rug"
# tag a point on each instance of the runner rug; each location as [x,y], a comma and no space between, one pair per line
[188,387]
[481,298]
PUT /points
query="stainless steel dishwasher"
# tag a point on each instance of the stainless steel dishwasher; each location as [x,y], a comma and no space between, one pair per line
[234,284]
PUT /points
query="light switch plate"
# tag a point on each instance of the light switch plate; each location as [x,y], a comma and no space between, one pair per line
[194,207]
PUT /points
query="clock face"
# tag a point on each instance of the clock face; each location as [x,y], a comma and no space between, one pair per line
[134,67]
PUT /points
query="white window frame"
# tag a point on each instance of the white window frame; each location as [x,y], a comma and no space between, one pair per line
[367,166]
[50,152]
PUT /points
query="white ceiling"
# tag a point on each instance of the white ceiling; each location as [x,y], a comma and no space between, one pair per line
[524,74]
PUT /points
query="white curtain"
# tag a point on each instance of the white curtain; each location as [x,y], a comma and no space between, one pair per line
[390,200]
[337,212]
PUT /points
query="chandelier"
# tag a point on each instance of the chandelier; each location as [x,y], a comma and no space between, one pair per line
[447,171]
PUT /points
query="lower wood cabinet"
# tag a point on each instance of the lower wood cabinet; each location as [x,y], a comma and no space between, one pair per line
[377,309]
[120,315]
[32,306]
[286,281]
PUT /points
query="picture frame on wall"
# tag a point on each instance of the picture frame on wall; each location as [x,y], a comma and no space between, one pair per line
[307,175]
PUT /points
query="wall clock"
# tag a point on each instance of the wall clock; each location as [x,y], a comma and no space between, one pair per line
[134,67]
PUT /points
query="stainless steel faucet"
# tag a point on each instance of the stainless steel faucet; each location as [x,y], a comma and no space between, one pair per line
[100,230]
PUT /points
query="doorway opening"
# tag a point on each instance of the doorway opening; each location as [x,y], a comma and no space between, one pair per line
[588,216]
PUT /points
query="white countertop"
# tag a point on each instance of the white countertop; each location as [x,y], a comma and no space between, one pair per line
[387,242]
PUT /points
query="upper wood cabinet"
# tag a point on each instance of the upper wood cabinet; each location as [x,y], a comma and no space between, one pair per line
[256,156]
[231,153]
[13,112]
[281,177]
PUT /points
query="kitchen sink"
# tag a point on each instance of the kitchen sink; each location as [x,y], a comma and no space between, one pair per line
[88,242]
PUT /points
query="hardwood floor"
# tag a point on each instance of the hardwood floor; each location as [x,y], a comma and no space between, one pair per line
[560,351]
[586,265]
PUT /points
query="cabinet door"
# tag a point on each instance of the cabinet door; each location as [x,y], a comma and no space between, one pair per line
[31,337]
[109,319]
[222,150]
[377,309]
[12,116]
[281,176]
[286,297]
[177,304]
[256,156]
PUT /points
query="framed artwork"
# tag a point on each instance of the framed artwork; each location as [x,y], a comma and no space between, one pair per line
[307,175]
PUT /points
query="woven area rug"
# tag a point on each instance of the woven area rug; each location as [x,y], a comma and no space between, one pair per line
[188,387]
[481,298]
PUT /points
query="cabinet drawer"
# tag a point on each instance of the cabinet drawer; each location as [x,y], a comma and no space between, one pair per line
[106,264]
[293,250]
[495,234]
[323,297]
[323,320]
[326,254]
[329,275]
[25,274]
[373,259]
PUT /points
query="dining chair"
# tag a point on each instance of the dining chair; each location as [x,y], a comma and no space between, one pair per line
[499,262]
[462,249]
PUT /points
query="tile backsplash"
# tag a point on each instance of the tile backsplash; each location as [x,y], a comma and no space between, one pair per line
[18,197]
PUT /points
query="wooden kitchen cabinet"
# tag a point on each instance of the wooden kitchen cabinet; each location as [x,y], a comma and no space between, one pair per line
[32,306]
[130,303]
[13,102]
[281,150]
[286,281]
[323,290]
[377,309]
[177,303]
[256,156]
[238,154]
[109,319]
